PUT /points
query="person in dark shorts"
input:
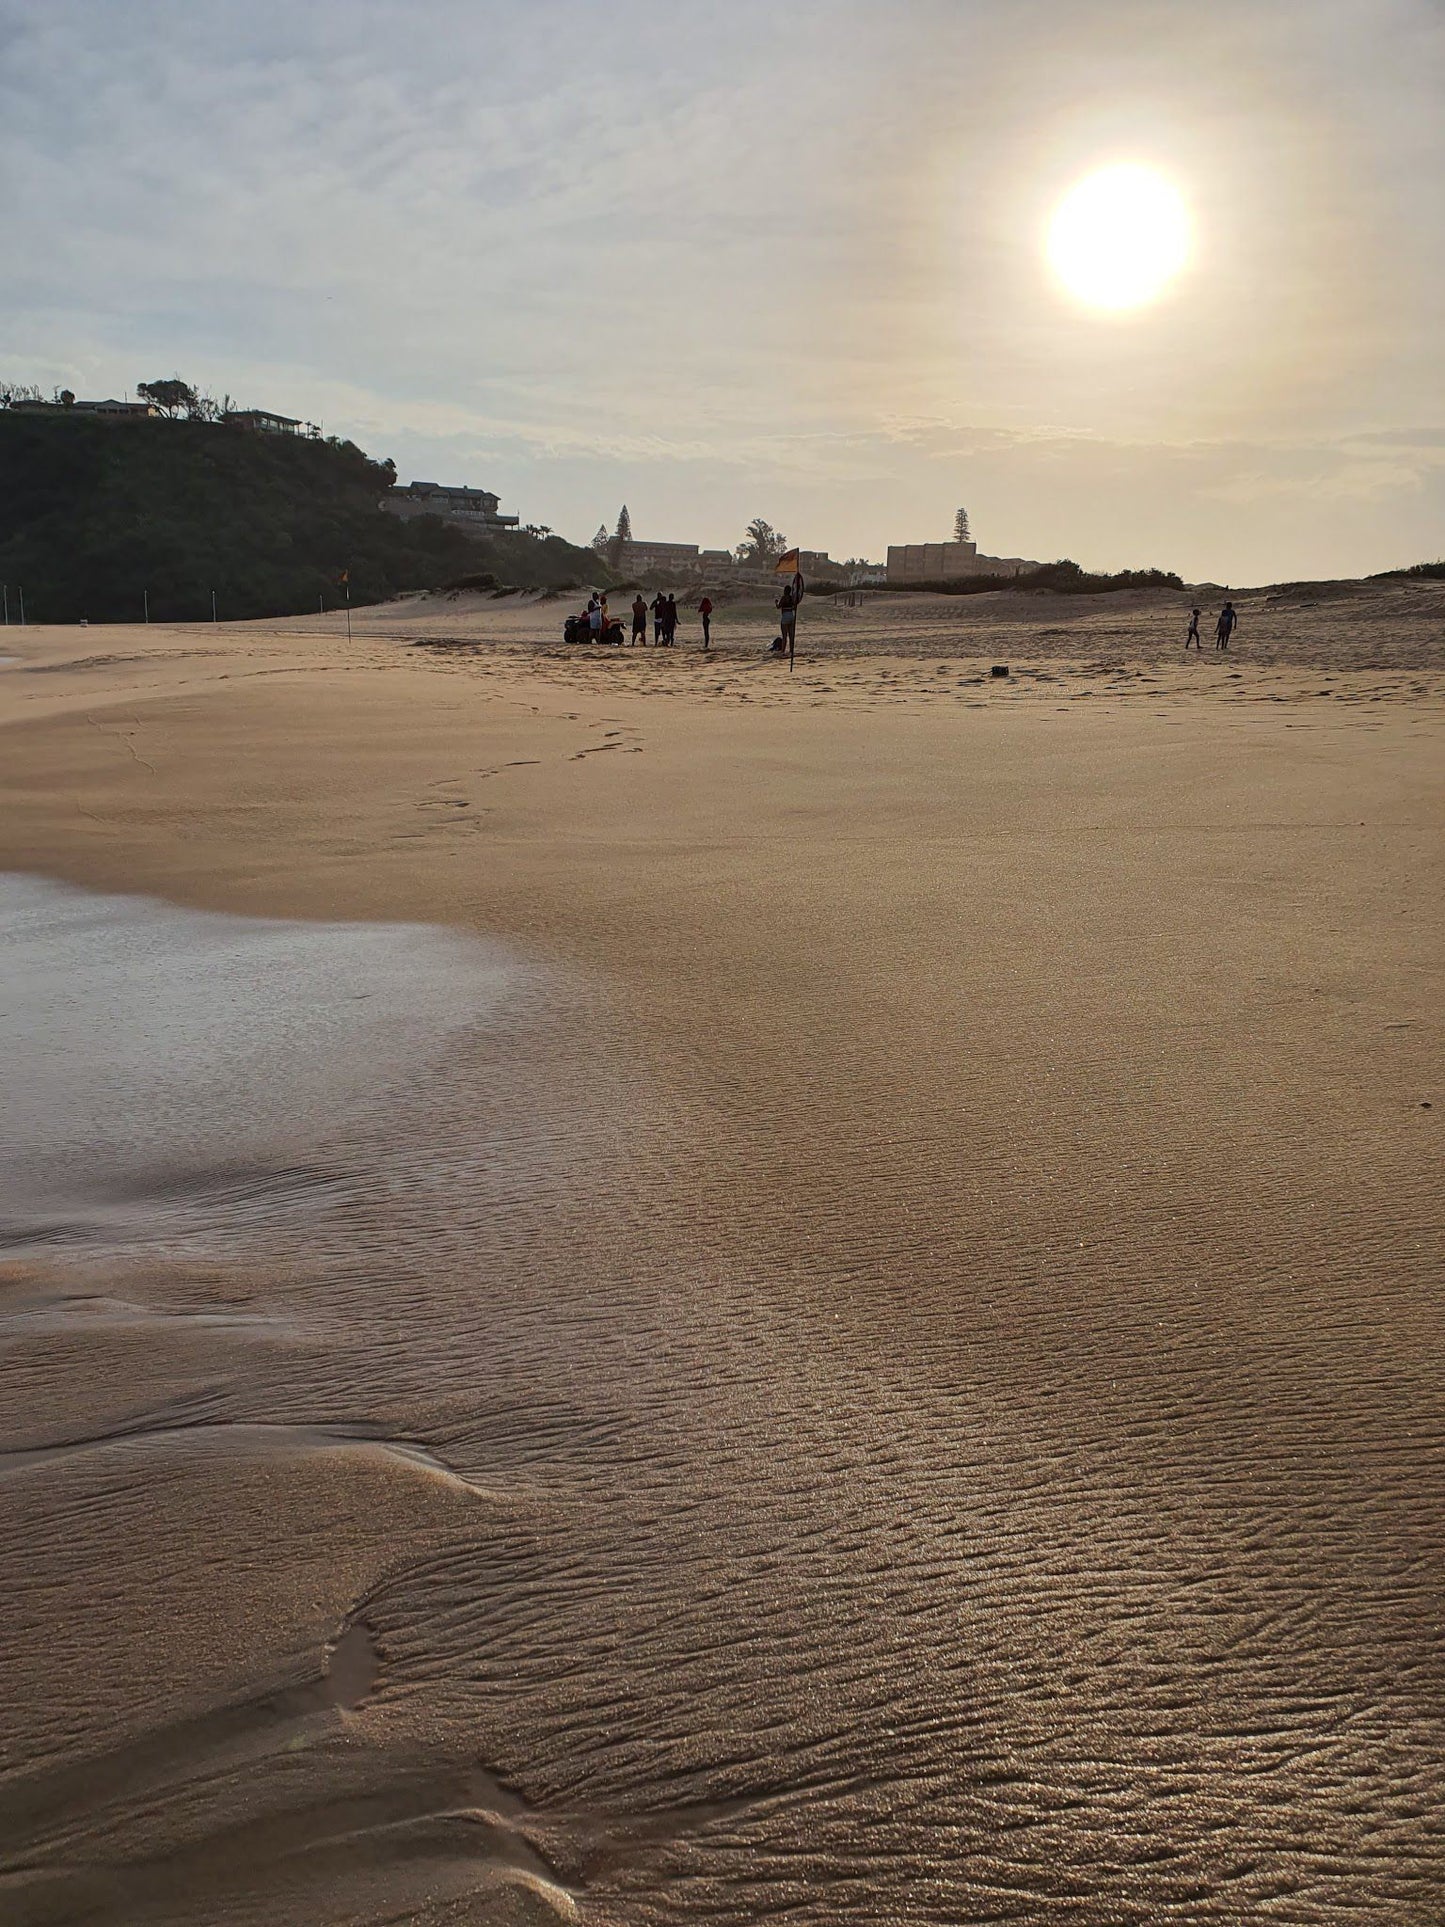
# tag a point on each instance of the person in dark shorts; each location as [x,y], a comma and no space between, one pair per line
[669,622]
[639,618]
[1193,635]
[704,609]
[1225,627]
[659,612]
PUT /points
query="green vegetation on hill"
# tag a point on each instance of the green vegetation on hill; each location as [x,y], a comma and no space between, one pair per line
[1417,571]
[1055,578]
[94,513]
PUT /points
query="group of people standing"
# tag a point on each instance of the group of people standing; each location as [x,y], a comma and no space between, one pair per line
[664,619]
[596,622]
[663,608]
[1223,629]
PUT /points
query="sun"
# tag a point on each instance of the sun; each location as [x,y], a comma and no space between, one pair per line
[1119,237]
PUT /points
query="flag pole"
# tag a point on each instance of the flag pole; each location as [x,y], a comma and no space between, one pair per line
[791,555]
[348,605]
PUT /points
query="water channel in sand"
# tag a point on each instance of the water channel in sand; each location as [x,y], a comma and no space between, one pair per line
[443,1481]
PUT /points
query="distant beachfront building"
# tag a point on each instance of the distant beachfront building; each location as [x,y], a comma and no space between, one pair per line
[948,562]
[661,558]
[816,565]
[112,410]
[263,420]
[471,509]
[266,423]
[106,410]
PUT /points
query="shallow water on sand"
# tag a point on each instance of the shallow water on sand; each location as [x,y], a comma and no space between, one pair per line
[137,1037]
[451,1478]
[143,1044]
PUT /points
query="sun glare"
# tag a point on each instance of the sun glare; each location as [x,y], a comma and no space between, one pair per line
[1119,237]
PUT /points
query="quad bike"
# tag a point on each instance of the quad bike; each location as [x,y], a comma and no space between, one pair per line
[578,629]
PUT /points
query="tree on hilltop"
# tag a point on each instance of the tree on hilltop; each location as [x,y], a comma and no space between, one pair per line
[762,544]
[170,396]
[601,539]
[960,527]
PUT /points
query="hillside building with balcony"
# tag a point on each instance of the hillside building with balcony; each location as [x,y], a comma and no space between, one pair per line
[474,510]
[263,421]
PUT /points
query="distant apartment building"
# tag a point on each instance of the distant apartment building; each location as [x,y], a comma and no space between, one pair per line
[472,509]
[675,559]
[948,562]
[661,558]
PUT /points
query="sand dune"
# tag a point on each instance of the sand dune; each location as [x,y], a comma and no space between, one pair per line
[893,1377]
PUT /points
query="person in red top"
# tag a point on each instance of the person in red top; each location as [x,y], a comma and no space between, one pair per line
[704,609]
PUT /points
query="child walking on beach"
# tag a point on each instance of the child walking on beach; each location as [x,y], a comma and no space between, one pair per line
[1193,635]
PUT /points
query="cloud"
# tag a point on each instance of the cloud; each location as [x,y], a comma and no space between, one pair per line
[712,259]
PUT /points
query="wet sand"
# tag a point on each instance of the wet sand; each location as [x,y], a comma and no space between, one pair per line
[857,1336]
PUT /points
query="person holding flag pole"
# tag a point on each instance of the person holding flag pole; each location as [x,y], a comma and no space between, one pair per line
[787,603]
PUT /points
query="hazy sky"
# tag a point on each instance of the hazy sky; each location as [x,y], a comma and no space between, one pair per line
[718,261]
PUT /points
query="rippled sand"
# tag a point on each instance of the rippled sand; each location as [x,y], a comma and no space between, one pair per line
[866,1347]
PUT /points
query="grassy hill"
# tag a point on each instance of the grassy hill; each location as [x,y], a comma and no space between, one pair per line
[93,513]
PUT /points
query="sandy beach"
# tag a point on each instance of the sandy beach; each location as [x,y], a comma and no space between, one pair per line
[714,1295]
